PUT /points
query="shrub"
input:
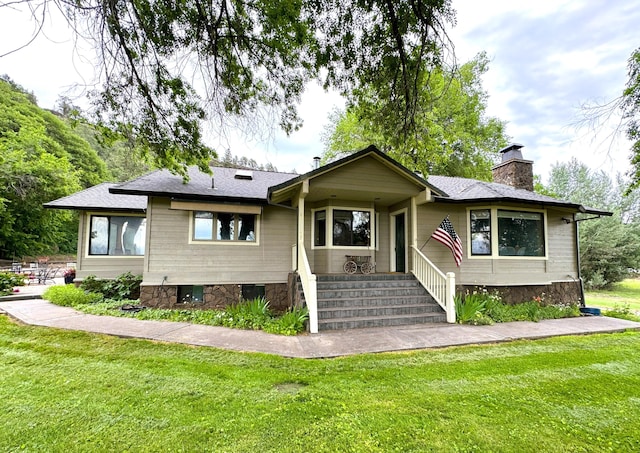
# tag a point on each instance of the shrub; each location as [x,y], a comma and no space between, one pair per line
[252,314]
[124,287]
[70,296]
[622,312]
[482,308]
[8,281]
[291,322]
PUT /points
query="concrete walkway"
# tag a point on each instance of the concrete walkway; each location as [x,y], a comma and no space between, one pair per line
[39,312]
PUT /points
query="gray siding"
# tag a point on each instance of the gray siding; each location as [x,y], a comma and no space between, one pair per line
[171,254]
[560,264]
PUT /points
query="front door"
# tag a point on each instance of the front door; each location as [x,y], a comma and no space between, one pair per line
[399,242]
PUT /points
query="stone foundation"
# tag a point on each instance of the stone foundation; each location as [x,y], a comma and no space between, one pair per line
[554,293]
[215,297]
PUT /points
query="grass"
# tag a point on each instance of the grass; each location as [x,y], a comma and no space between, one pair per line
[73,391]
[622,293]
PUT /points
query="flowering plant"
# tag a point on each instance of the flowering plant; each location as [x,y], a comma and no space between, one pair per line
[71,272]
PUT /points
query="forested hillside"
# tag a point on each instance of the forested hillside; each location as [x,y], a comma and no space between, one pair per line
[42,157]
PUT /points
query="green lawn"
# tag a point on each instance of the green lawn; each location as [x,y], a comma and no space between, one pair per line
[622,293]
[72,391]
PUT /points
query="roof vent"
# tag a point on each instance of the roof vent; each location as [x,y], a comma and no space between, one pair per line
[244,174]
[316,163]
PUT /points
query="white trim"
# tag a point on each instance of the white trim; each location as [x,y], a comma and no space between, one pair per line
[494,233]
[392,239]
[216,242]
[87,234]
[329,229]
[216,207]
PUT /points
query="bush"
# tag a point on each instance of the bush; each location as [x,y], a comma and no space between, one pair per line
[622,312]
[8,281]
[252,314]
[70,296]
[124,287]
[484,308]
[290,323]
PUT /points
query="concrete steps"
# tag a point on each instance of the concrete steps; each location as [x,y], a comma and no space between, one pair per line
[374,300]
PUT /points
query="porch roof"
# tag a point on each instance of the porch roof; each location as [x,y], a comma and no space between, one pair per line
[289,188]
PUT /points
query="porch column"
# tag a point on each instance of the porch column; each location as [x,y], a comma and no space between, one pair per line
[307,278]
[413,231]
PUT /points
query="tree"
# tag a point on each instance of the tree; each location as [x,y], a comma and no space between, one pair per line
[121,157]
[40,160]
[595,115]
[609,246]
[631,109]
[453,136]
[168,65]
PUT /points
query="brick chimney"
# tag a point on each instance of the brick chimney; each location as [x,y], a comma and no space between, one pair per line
[514,170]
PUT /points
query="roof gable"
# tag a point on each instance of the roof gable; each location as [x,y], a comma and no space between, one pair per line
[333,170]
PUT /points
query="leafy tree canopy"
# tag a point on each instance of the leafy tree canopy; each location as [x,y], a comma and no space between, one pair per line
[168,65]
[609,246]
[40,160]
[124,160]
[452,134]
[631,109]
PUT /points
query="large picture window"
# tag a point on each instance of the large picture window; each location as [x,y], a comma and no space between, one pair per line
[351,228]
[503,232]
[520,233]
[117,235]
[223,226]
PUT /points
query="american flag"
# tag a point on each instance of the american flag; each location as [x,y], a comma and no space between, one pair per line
[446,235]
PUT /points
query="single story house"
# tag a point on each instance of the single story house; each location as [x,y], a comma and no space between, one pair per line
[241,233]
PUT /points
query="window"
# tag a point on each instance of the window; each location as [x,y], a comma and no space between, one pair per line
[480,221]
[320,228]
[222,226]
[190,294]
[520,233]
[351,228]
[117,235]
[515,233]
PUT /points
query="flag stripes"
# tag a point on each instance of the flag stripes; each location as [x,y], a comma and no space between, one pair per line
[446,235]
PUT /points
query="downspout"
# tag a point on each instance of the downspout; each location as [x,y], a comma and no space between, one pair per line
[580,282]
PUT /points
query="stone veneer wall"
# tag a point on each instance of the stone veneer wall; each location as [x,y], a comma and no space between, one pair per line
[516,173]
[554,293]
[215,296]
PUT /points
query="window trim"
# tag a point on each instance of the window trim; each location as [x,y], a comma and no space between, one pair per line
[495,254]
[373,222]
[216,242]
[87,235]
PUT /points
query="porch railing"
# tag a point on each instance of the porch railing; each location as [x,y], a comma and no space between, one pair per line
[309,287]
[440,285]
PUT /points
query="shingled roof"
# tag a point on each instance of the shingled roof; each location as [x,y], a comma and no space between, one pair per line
[98,198]
[464,190]
[223,185]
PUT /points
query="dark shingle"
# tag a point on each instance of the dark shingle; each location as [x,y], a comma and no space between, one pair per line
[99,198]
[225,185]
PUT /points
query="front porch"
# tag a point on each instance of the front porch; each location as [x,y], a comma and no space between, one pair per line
[364,206]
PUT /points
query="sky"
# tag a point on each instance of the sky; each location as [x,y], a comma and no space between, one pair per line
[548,58]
